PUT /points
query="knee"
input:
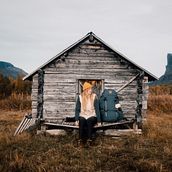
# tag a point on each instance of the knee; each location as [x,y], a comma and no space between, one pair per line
[82,121]
[92,121]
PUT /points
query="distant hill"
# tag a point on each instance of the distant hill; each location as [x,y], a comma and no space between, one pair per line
[167,77]
[9,70]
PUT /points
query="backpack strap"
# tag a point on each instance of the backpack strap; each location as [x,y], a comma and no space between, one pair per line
[105,100]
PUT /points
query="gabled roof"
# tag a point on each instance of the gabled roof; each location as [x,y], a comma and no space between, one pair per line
[29,76]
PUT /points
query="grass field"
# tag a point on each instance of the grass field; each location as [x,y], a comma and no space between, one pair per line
[149,152]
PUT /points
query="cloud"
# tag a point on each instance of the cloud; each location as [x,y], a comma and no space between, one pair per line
[38,30]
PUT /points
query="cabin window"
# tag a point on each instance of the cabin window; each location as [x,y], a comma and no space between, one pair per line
[98,86]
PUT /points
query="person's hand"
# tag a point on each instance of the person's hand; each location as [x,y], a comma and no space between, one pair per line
[77,123]
[99,124]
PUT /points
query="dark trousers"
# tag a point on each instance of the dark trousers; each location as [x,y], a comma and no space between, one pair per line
[86,129]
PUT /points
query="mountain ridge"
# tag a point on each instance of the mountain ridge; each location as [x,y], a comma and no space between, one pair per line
[9,70]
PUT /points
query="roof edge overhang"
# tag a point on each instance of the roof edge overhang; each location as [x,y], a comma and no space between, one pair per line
[150,75]
[56,56]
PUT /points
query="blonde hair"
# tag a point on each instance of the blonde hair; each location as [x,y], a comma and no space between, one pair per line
[85,97]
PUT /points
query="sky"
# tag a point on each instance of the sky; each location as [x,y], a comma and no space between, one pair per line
[34,31]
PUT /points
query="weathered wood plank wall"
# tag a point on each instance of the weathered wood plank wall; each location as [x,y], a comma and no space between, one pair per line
[34,95]
[86,61]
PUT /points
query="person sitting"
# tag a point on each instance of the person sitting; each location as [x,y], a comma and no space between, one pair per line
[87,114]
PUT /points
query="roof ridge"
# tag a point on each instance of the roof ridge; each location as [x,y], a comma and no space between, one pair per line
[79,41]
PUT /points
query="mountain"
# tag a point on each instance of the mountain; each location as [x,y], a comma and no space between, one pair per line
[167,77]
[9,70]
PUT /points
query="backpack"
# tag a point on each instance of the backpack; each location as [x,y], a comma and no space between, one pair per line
[108,112]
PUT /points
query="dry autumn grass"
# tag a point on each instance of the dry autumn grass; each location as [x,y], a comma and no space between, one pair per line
[151,151]
[16,102]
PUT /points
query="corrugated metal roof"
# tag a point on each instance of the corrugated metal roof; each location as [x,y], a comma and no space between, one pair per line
[150,75]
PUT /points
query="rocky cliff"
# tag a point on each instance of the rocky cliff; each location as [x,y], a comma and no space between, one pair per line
[167,77]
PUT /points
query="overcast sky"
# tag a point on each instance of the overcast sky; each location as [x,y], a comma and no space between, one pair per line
[33,31]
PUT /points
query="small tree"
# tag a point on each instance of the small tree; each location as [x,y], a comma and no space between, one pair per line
[5,87]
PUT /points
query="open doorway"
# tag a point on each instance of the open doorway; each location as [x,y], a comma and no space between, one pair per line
[98,85]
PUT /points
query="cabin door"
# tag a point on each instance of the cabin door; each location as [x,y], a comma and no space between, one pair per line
[98,86]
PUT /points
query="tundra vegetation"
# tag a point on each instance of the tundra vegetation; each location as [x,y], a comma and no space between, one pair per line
[151,151]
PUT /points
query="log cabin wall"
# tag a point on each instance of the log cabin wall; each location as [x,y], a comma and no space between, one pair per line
[34,95]
[145,88]
[88,60]
[40,97]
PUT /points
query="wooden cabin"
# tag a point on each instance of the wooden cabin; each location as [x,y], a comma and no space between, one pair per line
[57,83]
